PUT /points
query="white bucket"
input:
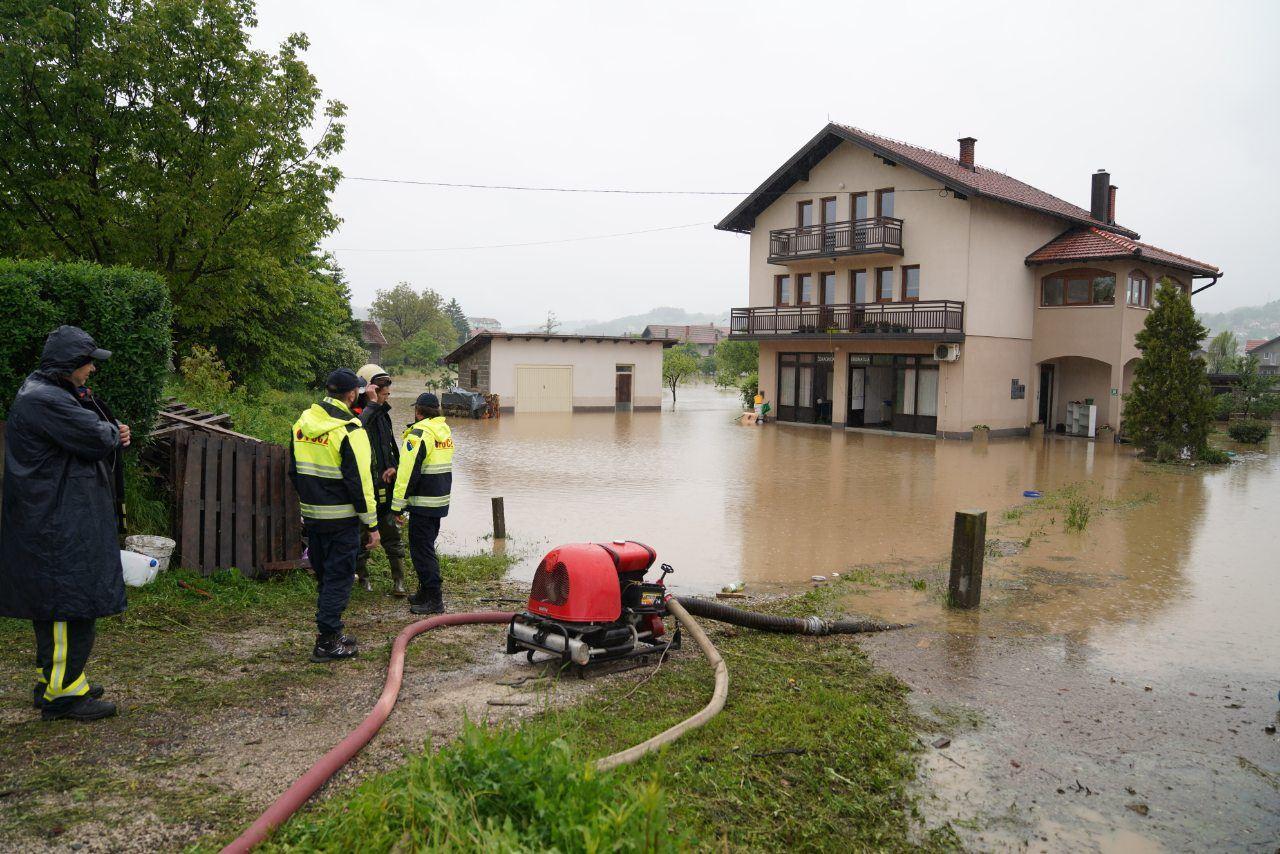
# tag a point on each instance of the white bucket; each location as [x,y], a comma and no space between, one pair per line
[160,548]
[139,569]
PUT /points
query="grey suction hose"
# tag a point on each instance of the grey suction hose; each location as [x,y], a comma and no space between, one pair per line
[783,625]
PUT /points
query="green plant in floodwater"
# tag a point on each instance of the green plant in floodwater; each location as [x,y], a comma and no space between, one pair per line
[1078,510]
[1014,514]
[919,584]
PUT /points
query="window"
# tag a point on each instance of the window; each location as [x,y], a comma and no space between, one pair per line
[475,378]
[911,282]
[858,286]
[829,209]
[804,213]
[884,202]
[884,284]
[804,289]
[1182,287]
[1079,287]
[828,282]
[859,207]
[782,290]
[1139,289]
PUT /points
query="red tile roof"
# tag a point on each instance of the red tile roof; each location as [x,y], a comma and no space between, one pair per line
[1254,343]
[688,333]
[979,181]
[371,333]
[1094,244]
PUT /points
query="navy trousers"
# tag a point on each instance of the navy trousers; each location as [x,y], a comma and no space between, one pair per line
[62,650]
[333,556]
[423,530]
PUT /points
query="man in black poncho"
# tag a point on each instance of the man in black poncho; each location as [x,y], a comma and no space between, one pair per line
[59,551]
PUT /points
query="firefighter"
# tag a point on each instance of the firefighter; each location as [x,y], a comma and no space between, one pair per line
[331,467]
[59,552]
[374,411]
[423,483]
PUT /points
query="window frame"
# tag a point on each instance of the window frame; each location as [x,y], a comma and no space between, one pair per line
[880,202]
[880,271]
[1091,273]
[906,296]
[777,289]
[800,300]
[853,286]
[822,210]
[822,290]
[853,206]
[1144,295]
[801,207]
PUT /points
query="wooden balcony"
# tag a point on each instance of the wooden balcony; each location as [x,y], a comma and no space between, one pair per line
[936,320]
[877,234]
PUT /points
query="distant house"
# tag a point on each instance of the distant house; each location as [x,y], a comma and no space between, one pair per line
[373,340]
[483,324]
[534,372]
[703,337]
[1268,353]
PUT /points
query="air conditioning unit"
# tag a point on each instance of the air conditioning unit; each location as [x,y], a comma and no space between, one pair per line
[947,352]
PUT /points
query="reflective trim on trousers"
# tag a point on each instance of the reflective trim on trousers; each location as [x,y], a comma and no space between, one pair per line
[327,511]
[58,672]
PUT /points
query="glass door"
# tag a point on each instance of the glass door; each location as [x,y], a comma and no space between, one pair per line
[857,394]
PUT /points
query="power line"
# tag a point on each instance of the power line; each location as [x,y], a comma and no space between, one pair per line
[535,242]
[610,190]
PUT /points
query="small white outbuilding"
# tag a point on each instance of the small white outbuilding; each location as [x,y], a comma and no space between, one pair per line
[534,372]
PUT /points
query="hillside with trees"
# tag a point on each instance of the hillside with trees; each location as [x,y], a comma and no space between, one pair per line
[1247,322]
[631,324]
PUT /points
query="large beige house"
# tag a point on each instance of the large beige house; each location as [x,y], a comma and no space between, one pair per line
[893,287]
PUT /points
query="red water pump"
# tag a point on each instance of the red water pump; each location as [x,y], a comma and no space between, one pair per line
[590,603]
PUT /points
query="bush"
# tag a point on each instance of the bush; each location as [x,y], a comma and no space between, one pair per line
[1266,406]
[206,381]
[1214,456]
[1223,406]
[490,790]
[126,311]
[749,385]
[1249,432]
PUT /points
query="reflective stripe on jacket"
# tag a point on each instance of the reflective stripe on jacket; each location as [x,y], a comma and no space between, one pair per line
[425,476]
[330,463]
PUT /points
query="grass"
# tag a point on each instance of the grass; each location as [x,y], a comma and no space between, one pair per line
[813,751]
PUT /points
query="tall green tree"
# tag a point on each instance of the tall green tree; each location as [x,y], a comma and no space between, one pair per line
[416,324]
[1251,385]
[150,133]
[678,364]
[458,319]
[734,360]
[1168,407]
[1222,353]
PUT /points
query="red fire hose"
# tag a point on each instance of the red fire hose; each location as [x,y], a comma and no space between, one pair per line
[306,785]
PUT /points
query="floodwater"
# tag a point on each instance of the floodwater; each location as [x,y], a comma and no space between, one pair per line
[1139,658]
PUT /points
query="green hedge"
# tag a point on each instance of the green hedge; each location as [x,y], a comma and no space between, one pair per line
[126,311]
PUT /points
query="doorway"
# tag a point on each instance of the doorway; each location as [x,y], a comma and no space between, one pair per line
[1045,409]
[622,386]
[857,391]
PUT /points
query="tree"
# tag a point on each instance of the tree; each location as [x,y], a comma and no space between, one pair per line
[416,325]
[735,359]
[550,325]
[459,320]
[1222,353]
[1168,408]
[152,135]
[1251,386]
[678,363]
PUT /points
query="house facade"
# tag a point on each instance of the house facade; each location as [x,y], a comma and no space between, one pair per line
[703,337]
[1268,353]
[896,288]
[533,372]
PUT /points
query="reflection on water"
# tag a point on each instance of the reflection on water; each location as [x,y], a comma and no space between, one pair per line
[777,504]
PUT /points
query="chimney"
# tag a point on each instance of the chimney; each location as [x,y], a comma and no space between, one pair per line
[1101,193]
[966,153]
[1111,204]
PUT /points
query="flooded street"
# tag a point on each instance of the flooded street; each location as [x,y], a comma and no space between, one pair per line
[1110,694]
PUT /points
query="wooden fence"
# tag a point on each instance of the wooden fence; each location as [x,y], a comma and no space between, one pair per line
[234,504]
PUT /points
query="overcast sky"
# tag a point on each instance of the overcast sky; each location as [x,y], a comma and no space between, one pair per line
[1178,100]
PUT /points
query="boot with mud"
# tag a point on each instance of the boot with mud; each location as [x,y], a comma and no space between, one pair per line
[427,602]
[334,648]
[362,579]
[39,702]
[397,576]
[84,708]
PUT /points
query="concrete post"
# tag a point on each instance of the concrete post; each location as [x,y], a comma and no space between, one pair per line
[968,548]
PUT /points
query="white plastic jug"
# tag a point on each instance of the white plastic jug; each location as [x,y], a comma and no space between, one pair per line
[139,569]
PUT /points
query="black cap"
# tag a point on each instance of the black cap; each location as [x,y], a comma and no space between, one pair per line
[343,380]
[427,400]
[68,347]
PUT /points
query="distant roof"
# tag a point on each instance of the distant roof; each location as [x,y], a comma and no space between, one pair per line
[695,333]
[483,338]
[1258,343]
[371,333]
[979,181]
[1094,244]
[484,322]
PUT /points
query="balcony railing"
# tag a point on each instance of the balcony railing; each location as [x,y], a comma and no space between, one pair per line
[881,319]
[852,237]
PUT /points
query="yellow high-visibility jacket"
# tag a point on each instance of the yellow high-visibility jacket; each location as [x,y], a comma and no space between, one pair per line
[425,476]
[329,462]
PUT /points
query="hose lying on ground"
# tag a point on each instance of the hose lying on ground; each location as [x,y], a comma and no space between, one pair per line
[784,625]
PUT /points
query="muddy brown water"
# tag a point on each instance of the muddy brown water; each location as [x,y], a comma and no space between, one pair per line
[1139,658]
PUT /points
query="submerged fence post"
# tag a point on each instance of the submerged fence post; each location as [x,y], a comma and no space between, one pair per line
[968,548]
[499,520]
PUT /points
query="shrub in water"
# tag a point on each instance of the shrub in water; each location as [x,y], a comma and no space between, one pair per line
[1214,456]
[1249,432]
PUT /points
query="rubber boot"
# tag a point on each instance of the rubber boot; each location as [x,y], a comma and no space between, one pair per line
[427,602]
[37,694]
[397,576]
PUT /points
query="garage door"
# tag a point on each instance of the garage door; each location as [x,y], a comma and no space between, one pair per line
[544,388]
